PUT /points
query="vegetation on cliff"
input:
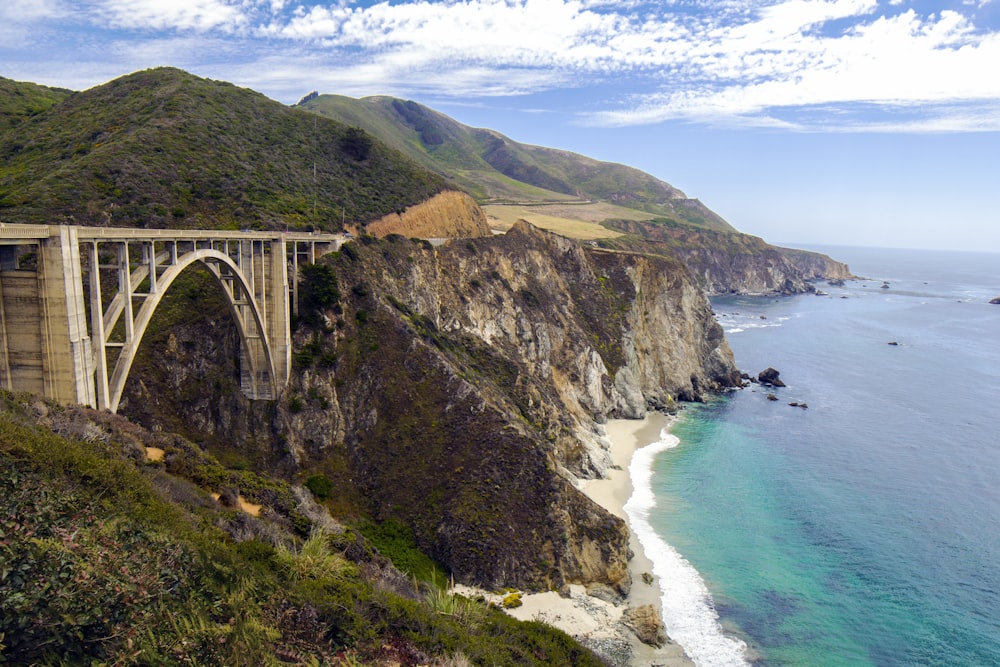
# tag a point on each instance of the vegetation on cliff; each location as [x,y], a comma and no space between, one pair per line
[727,261]
[21,100]
[441,430]
[109,556]
[458,387]
[453,390]
[163,148]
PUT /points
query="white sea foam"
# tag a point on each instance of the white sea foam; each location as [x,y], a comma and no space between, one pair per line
[688,612]
[739,322]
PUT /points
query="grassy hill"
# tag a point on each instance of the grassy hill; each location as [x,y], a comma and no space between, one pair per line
[164,148]
[611,205]
[496,169]
[109,557]
[20,100]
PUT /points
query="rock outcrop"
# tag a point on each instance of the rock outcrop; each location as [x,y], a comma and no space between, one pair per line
[730,262]
[769,377]
[646,623]
[466,382]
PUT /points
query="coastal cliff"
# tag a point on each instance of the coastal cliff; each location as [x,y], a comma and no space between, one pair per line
[458,390]
[729,263]
[462,385]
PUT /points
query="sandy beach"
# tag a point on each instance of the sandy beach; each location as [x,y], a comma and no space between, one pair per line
[595,622]
[627,436]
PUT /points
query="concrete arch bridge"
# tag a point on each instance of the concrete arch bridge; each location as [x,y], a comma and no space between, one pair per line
[76,301]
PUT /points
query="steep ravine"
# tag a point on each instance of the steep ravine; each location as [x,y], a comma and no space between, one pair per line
[458,389]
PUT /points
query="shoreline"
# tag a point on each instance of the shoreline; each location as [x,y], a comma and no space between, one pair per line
[595,622]
[627,436]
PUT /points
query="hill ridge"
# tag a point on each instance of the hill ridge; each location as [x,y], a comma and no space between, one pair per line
[493,167]
[165,148]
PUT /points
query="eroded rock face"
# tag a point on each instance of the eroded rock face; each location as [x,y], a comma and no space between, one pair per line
[449,214]
[467,386]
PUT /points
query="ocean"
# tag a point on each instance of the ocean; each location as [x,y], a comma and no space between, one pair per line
[863,529]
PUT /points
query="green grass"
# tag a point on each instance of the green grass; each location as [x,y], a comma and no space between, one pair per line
[163,148]
[106,558]
[497,169]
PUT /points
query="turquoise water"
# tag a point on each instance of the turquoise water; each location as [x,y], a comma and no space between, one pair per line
[865,529]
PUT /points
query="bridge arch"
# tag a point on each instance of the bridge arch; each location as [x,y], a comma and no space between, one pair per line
[56,331]
[254,343]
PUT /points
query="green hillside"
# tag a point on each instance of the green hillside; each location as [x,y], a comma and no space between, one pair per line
[164,148]
[495,168]
[109,557]
[20,100]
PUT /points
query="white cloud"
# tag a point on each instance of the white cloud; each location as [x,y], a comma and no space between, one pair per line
[16,17]
[793,17]
[903,59]
[30,11]
[748,61]
[290,74]
[197,15]
[776,55]
[536,33]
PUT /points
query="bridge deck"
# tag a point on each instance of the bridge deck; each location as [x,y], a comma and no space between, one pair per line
[12,234]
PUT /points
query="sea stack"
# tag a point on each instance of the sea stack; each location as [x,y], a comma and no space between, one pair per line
[769,378]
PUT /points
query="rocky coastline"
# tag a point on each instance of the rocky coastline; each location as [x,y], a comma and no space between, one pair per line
[625,630]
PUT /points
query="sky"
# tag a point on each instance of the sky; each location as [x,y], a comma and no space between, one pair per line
[845,122]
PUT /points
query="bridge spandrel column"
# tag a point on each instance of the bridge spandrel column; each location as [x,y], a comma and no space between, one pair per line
[279,312]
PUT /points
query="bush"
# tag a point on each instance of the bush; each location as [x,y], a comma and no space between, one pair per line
[320,486]
[349,251]
[318,290]
[395,541]
[512,600]
[356,144]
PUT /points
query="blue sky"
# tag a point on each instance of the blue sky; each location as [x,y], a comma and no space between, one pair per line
[855,122]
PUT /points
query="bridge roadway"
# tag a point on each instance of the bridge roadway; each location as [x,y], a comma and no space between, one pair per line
[76,301]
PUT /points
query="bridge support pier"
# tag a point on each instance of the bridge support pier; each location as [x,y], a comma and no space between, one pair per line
[43,321]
